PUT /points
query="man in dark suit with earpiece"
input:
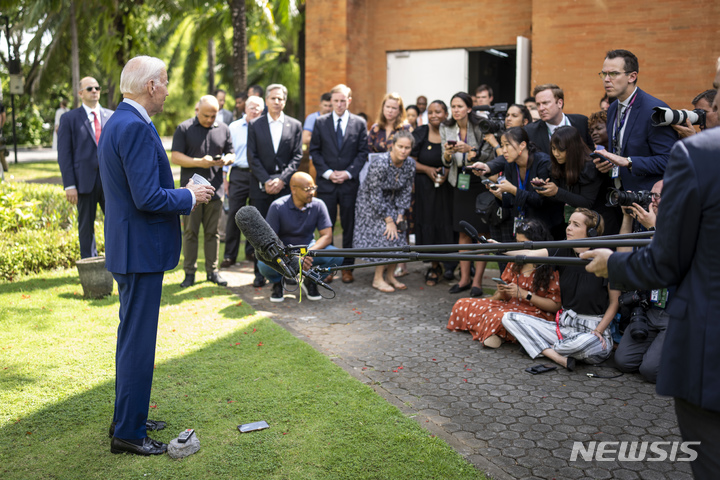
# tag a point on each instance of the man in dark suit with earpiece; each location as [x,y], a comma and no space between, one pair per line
[78,136]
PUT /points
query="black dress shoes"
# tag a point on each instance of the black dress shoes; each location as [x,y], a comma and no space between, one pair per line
[457,288]
[148,447]
[150,425]
[259,281]
[215,277]
[189,280]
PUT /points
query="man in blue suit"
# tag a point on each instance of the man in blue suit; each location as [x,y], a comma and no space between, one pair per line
[638,152]
[78,136]
[339,150]
[684,253]
[142,240]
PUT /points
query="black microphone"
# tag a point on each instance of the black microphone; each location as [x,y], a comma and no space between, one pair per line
[472,232]
[315,276]
[268,247]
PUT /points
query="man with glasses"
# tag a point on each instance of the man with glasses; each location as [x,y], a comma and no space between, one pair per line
[295,218]
[78,136]
[638,152]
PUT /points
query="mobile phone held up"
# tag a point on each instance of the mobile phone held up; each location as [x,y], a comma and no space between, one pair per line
[452,143]
[499,280]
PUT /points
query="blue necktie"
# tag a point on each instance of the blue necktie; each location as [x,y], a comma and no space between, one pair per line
[339,134]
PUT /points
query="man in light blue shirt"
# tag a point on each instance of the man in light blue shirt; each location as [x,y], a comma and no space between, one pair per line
[237,179]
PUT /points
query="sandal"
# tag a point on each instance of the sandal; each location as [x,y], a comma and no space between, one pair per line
[431,277]
[397,285]
[383,287]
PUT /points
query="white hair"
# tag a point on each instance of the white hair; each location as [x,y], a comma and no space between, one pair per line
[256,100]
[138,72]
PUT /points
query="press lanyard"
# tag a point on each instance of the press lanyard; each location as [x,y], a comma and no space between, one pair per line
[565,123]
[620,123]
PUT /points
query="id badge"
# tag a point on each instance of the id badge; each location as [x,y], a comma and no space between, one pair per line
[615,172]
[463,182]
[517,221]
[659,297]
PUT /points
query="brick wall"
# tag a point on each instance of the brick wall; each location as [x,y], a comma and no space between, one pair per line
[676,41]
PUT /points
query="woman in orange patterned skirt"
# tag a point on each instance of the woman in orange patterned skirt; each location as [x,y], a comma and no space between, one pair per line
[530,288]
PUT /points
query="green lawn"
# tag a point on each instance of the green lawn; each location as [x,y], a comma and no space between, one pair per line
[218,365]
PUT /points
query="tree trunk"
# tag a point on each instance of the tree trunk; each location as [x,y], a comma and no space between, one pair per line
[75,56]
[301,62]
[211,65]
[239,46]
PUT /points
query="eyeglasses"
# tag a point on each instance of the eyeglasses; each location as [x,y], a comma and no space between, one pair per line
[307,189]
[612,75]
[655,196]
[90,89]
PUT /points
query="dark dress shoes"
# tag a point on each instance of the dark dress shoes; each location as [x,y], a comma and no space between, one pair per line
[457,288]
[216,278]
[476,292]
[227,263]
[189,280]
[148,447]
[259,281]
[151,425]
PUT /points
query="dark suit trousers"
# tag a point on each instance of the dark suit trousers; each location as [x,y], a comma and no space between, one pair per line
[344,198]
[239,193]
[700,425]
[87,211]
[135,356]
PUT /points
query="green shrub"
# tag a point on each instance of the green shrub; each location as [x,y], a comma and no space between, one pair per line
[38,229]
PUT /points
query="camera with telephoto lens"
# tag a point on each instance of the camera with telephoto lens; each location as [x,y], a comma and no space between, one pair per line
[618,198]
[638,303]
[663,117]
[491,118]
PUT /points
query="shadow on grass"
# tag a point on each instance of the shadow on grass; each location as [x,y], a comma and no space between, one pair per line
[31,283]
[323,423]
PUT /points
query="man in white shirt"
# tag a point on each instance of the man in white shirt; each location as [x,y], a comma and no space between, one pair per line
[237,178]
[78,136]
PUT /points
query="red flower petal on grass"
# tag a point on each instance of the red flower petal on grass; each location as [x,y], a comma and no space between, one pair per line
[28,296]
[28,433]
[154,405]
[434,360]
[237,343]
[364,368]
[359,313]
[285,433]
[231,401]
[260,344]
[239,304]
[400,368]
[254,330]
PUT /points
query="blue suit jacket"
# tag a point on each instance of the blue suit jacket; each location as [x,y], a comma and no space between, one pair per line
[647,146]
[142,226]
[325,154]
[77,150]
[684,253]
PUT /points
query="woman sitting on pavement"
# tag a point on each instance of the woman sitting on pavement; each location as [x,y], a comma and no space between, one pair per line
[382,199]
[580,331]
[530,289]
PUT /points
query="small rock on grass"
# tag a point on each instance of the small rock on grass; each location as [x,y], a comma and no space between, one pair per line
[182,450]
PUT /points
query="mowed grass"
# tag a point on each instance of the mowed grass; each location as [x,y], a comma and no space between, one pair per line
[218,364]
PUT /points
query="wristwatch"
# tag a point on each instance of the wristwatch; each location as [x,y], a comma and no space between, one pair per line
[528,296]
[629,163]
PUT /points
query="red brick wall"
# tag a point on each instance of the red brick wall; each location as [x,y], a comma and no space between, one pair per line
[677,42]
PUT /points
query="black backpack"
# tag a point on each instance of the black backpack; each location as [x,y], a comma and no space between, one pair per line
[490,210]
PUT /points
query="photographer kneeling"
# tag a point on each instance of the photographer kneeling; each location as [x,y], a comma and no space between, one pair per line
[642,341]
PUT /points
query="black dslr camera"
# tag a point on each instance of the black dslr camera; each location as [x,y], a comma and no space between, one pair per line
[494,120]
[618,198]
[637,303]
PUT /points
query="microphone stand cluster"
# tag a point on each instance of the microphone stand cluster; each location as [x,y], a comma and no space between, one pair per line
[486,252]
